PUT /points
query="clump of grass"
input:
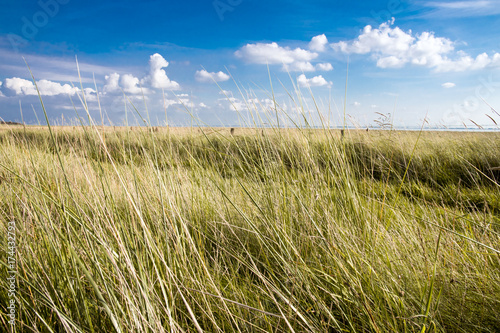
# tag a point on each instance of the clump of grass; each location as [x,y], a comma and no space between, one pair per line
[269,230]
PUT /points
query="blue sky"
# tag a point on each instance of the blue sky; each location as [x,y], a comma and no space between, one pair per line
[408,58]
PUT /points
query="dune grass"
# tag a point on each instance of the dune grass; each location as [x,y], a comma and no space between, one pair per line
[251,230]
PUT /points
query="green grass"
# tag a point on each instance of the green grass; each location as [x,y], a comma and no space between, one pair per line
[186,230]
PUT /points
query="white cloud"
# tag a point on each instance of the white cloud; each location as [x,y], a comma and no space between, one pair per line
[357,104]
[53,68]
[390,62]
[272,54]
[183,100]
[394,48]
[186,100]
[299,66]
[466,62]
[204,76]
[90,94]
[496,60]
[226,92]
[46,88]
[318,43]
[111,84]
[1,93]
[324,67]
[203,105]
[317,81]
[262,104]
[448,85]
[130,84]
[461,8]
[384,40]
[460,4]
[233,104]
[157,76]
[169,102]
[236,104]
[20,86]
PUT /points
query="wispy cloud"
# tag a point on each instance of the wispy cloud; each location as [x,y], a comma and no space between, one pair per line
[461,8]
[51,67]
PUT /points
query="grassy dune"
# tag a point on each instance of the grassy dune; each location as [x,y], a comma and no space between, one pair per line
[184,230]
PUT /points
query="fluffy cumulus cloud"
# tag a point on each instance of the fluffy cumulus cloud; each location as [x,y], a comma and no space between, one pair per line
[271,53]
[17,86]
[90,94]
[299,66]
[111,84]
[324,67]
[20,86]
[317,81]
[130,84]
[47,88]
[204,76]
[448,85]
[395,48]
[318,43]
[157,76]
